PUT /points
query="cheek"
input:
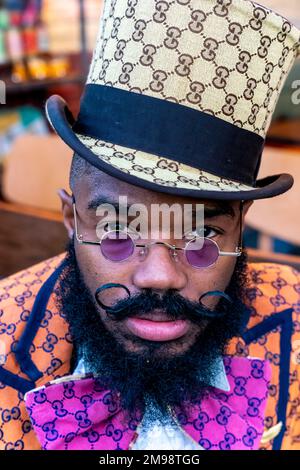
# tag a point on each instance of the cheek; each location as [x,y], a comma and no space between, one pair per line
[96,270]
[213,278]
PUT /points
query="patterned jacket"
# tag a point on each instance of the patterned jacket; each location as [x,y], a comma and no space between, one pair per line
[36,347]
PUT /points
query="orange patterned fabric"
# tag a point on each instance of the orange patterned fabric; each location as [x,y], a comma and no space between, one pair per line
[273,289]
[51,349]
[274,328]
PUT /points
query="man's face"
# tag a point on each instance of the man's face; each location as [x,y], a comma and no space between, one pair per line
[158,270]
[158,339]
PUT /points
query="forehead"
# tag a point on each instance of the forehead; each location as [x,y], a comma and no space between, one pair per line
[100,186]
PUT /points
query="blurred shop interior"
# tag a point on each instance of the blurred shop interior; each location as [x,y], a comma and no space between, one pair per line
[45,49]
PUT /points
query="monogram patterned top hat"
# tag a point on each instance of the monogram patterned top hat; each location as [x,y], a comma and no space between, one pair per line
[180,95]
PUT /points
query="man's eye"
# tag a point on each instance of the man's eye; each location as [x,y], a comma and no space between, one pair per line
[119,227]
[206,232]
[114,226]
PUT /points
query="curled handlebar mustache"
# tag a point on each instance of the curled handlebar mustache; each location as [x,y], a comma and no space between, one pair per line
[171,302]
[111,285]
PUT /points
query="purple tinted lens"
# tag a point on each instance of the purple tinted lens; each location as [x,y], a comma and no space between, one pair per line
[204,256]
[117,248]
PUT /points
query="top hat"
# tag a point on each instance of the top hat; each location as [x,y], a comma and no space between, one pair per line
[180,96]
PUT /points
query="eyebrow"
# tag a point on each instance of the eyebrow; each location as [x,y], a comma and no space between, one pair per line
[99,200]
[219,209]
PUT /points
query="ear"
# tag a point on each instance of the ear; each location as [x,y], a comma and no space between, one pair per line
[67,211]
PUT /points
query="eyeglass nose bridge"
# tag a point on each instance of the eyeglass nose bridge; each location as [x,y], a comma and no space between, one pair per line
[172,248]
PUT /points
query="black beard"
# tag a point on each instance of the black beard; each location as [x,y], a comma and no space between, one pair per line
[144,377]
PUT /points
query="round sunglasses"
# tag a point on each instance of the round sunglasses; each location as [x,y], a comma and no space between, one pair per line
[119,245]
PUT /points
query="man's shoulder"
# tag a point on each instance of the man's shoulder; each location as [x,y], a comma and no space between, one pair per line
[272,287]
[28,358]
[34,335]
[273,290]
[18,291]
[268,271]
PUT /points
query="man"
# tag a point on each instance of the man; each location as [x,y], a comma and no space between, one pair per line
[161,342]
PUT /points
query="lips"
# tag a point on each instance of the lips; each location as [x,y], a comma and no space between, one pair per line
[157,327]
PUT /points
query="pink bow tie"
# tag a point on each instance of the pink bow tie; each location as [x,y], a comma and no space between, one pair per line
[77,414]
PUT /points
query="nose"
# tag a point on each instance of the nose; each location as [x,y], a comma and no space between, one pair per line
[159,271]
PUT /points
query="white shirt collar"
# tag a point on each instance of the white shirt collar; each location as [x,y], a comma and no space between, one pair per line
[220,380]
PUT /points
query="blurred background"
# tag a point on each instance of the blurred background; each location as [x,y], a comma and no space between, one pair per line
[45,48]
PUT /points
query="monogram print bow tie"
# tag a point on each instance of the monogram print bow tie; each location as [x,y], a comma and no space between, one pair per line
[78,414]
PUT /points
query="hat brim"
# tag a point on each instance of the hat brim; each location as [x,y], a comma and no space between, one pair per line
[62,120]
